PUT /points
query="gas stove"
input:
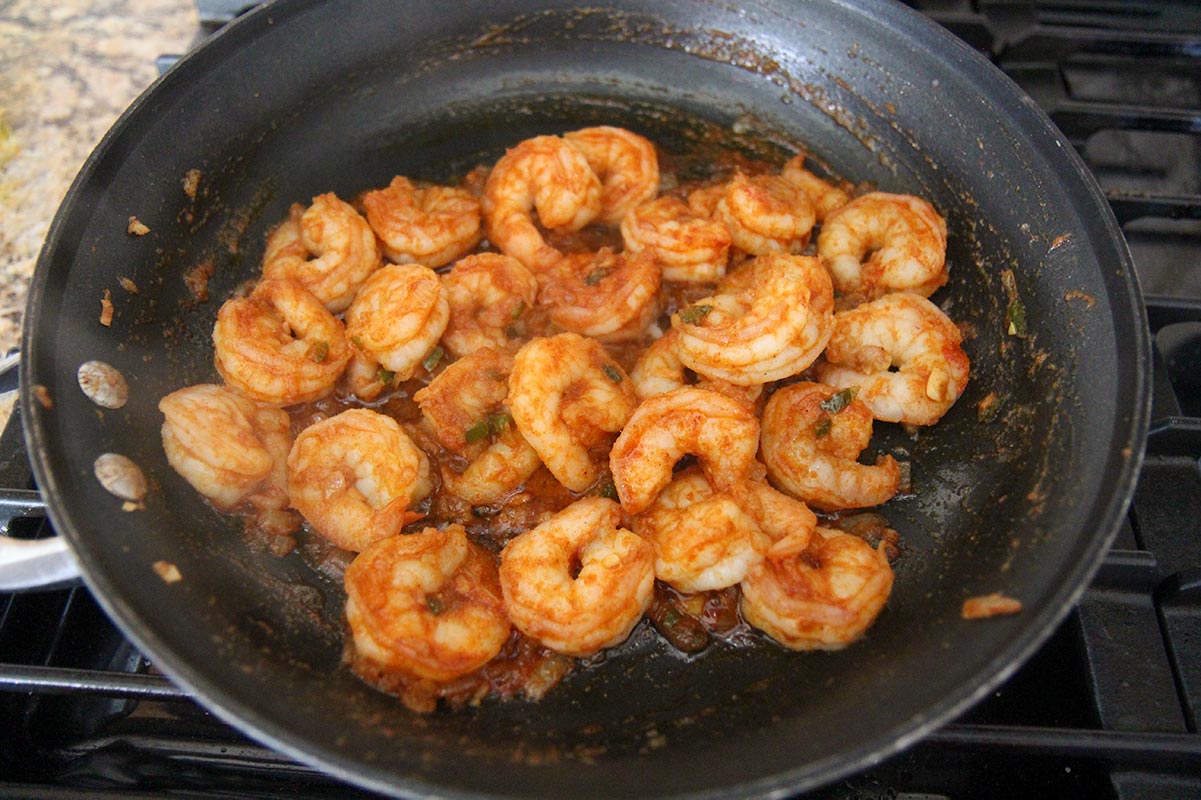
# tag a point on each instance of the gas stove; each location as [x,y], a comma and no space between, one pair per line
[1107,708]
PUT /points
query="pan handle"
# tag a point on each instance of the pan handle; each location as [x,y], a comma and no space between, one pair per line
[25,563]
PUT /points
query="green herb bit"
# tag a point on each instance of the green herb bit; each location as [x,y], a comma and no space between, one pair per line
[476,432]
[607,488]
[518,310]
[384,375]
[694,314]
[1016,312]
[596,276]
[357,342]
[435,605]
[611,372]
[319,352]
[498,423]
[433,358]
[671,618]
[822,426]
[839,400]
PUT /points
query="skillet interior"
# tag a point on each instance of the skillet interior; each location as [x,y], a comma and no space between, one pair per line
[296,100]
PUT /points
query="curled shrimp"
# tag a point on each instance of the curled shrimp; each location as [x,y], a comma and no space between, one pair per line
[702,539]
[543,174]
[765,214]
[824,195]
[327,248]
[489,297]
[279,345]
[353,476]
[910,334]
[425,605]
[880,243]
[768,320]
[229,448]
[568,398]
[812,453]
[429,225]
[688,248]
[720,431]
[624,162]
[465,405]
[398,317]
[612,297]
[659,370]
[823,598]
[578,582]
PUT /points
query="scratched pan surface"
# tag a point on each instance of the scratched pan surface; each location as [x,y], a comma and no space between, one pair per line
[300,98]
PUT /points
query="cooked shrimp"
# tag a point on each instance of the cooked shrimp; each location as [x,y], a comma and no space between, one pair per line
[765,214]
[327,248]
[229,448]
[490,295]
[354,476]
[821,599]
[543,174]
[610,297]
[720,431]
[880,243]
[625,163]
[702,539]
[906,332]
[659,369]
[426,605]
[786,521]
[811,452]
[769,319]
[398,317]
[578,582]
[568,397]
[688,248]
[279,345]
[465,405]
[825,196]
[366,378]
[429,225]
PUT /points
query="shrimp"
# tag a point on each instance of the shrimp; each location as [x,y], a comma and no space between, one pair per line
[398,317]
[426,605]
[810,445]
[490,295]
[229,448]
[702,539]
[765,214]
[659,369]
[568,397]
[543,174]
[578,582]
[909,333]
[824,195]
[824,598]
[625,163]
[610,297]
[280,345]
[722,432]
[880,243]
[354,476]
[328,249]
[428,225]
[689,248]
[465,407]
[769,319]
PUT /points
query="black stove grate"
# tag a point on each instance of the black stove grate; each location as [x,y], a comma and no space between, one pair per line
[1108,707]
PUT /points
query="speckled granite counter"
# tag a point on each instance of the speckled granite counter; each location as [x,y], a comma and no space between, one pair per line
[68,68]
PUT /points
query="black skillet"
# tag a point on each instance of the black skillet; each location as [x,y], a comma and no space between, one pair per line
[300,98]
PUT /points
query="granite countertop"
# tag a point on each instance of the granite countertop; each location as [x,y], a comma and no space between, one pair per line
[68,68]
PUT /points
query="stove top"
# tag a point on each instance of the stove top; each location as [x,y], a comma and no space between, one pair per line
[1107,708]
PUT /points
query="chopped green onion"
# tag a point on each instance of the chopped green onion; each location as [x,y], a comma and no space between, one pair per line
[433,358]
[384,375]
[822,426]
[435,605]
[606,488]
[611,372]
[671,618]
[839,400]
[1015,314]
[498,423]
[518,310]
[357,342]
[319,352]
[476,432]
[596,276]
[694,314]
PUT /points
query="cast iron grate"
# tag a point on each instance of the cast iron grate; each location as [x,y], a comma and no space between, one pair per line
[1108,708]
